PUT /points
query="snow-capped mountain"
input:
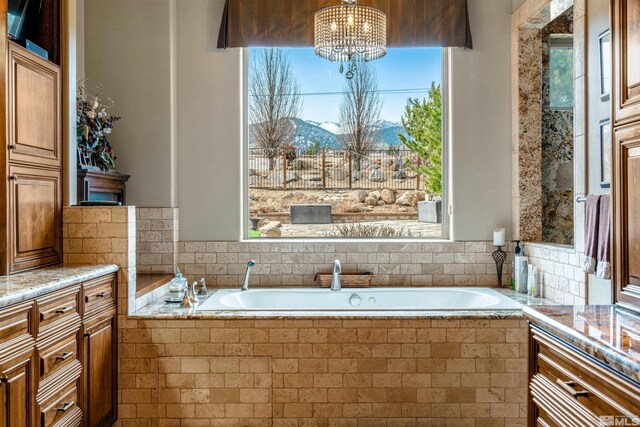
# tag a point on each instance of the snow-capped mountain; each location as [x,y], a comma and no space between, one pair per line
[327,134]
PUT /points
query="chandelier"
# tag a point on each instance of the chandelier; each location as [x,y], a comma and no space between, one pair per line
[349,33]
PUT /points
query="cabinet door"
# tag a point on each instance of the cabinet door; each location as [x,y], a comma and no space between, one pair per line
[16,392]
[34,108]
[35,232]
[626,38]
[100,366]
[626,219]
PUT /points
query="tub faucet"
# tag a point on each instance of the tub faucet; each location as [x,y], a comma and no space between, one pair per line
[245,284]
[335,277]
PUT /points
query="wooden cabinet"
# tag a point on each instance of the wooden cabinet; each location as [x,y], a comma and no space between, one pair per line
[33,163]
[99,361]
[626,39]
[16,391]
[569,388]
[58,358]
[17,374]
[626,152]
[35,218]
[34,130]
[99,350]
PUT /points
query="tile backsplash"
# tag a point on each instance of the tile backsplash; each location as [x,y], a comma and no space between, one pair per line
[295,264]
[157,239]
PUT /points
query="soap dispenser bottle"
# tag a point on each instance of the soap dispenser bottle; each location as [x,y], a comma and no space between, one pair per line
[515,265]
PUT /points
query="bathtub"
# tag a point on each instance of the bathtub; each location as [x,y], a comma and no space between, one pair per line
[359,299]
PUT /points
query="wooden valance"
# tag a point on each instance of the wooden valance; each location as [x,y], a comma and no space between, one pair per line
[289,23]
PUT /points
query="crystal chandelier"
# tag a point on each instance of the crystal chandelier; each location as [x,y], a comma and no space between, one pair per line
[349,33]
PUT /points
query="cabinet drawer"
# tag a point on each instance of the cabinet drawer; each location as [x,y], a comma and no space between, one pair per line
[99,292]
[58,307]
[61,409]
[581,383]
[58,355]
[15,321]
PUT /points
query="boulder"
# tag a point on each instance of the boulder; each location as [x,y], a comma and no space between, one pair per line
[377,175]
[271,229]
[359,195]
[371,201]
[375,195]
[360,207]
[399,175]
[388,196]
[339,174]
[277,178]
[406,199]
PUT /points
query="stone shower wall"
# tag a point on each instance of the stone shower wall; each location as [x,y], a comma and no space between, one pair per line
[557,149]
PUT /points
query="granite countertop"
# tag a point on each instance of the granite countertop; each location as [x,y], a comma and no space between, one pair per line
[606,332]
[158,309]
[25,286]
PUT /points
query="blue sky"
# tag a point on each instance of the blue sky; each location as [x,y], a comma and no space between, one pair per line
[399,69]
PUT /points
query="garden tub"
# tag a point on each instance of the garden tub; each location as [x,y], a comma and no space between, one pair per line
[359,299]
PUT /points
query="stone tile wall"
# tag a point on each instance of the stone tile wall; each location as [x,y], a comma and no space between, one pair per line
[157,232]
[291,372]
[560,273]
[295,264]
[104,235]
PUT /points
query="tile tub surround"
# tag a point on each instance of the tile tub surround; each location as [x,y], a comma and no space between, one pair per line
[603,331]
[296,263]
[30,285]
[157,240]
[560,273]
[301,371]
[103,235]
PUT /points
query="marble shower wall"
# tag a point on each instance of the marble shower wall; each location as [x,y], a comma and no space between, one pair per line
[557,148]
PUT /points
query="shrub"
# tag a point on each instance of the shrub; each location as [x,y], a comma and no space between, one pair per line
[366,230]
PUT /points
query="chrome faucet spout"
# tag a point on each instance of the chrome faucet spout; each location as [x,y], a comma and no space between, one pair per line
[335,276]
[245,284]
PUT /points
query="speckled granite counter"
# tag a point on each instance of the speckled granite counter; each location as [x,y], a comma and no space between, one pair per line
[158,309]
[29,285]
[607,333]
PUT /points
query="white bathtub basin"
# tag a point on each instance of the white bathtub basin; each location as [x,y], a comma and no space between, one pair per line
[359,299]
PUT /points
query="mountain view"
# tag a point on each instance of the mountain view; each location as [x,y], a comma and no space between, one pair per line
[309,132]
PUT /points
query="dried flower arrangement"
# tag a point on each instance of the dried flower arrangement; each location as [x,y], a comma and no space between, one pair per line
[94,124]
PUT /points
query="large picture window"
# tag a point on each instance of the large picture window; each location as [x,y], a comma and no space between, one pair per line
[336,150]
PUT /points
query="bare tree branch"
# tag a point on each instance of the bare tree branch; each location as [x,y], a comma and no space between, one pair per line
[275,101]
[360,112]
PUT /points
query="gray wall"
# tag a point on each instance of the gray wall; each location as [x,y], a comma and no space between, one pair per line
[182,103]
[128,52]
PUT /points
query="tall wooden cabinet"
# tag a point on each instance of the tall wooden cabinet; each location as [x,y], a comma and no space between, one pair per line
[31,163]
[625,31]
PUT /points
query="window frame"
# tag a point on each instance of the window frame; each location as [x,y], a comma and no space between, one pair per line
[447,211]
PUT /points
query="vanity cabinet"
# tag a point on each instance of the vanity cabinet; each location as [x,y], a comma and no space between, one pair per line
[58,357]
[569,388]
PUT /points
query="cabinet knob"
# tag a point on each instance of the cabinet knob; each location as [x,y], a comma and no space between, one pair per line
[4,379]
[13,177]
[12,146]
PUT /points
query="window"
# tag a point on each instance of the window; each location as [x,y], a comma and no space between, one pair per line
[561,72]
[330,156]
